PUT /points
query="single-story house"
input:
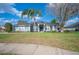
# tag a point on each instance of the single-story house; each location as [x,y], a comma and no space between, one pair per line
[2,28]
[34,27]
[22,26]
[72,27]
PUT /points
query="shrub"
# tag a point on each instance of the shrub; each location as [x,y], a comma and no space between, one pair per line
[53,31]
[66,31]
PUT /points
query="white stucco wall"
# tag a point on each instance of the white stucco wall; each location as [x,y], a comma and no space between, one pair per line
[69,28]
[53,28]
[48,28]
[27,29]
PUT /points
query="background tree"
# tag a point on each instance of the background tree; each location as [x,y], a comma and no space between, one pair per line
[31,13]
[8,27]
[53,21]
[63,11]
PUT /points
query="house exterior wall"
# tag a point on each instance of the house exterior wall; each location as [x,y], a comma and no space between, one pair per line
[27,29]
[48,28]
[69,29]
[54,28]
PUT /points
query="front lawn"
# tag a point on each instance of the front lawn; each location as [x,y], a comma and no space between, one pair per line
[68,40]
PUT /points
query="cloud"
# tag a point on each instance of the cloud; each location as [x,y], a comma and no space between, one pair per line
[72,21]
[9,8]
[25,16]
[38,17]
[7,21]
[51,5]
[1,11]
[19,13]
[4,20]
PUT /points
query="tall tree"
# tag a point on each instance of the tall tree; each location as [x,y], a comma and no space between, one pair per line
[53,21]
[8,27]
[63,11]
[31,13]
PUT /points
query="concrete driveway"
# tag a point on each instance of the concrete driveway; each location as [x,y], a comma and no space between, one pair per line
[32,49]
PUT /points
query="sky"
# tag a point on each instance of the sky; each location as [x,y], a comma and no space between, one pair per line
[11,12]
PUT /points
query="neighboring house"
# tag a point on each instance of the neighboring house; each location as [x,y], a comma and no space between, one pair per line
[72,27]
[69,29]
[2,29]
[37,27]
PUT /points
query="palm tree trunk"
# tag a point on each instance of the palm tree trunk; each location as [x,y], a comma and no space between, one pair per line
[34,24]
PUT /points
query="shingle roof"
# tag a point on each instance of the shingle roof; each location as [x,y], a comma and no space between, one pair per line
[22,23]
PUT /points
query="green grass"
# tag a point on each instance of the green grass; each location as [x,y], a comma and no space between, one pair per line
[69,40]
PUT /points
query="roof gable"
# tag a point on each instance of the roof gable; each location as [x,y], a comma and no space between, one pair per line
[22,23]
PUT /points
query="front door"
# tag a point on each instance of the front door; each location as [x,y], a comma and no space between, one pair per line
[31,28]
[41,27]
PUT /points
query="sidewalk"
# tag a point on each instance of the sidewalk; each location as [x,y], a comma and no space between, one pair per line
[32,49]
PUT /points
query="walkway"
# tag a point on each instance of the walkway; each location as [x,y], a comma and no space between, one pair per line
[32,49]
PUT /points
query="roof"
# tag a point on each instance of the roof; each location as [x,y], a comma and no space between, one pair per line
[41,22]
[22,23]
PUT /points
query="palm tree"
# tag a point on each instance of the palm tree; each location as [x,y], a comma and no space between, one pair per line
[31,13]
